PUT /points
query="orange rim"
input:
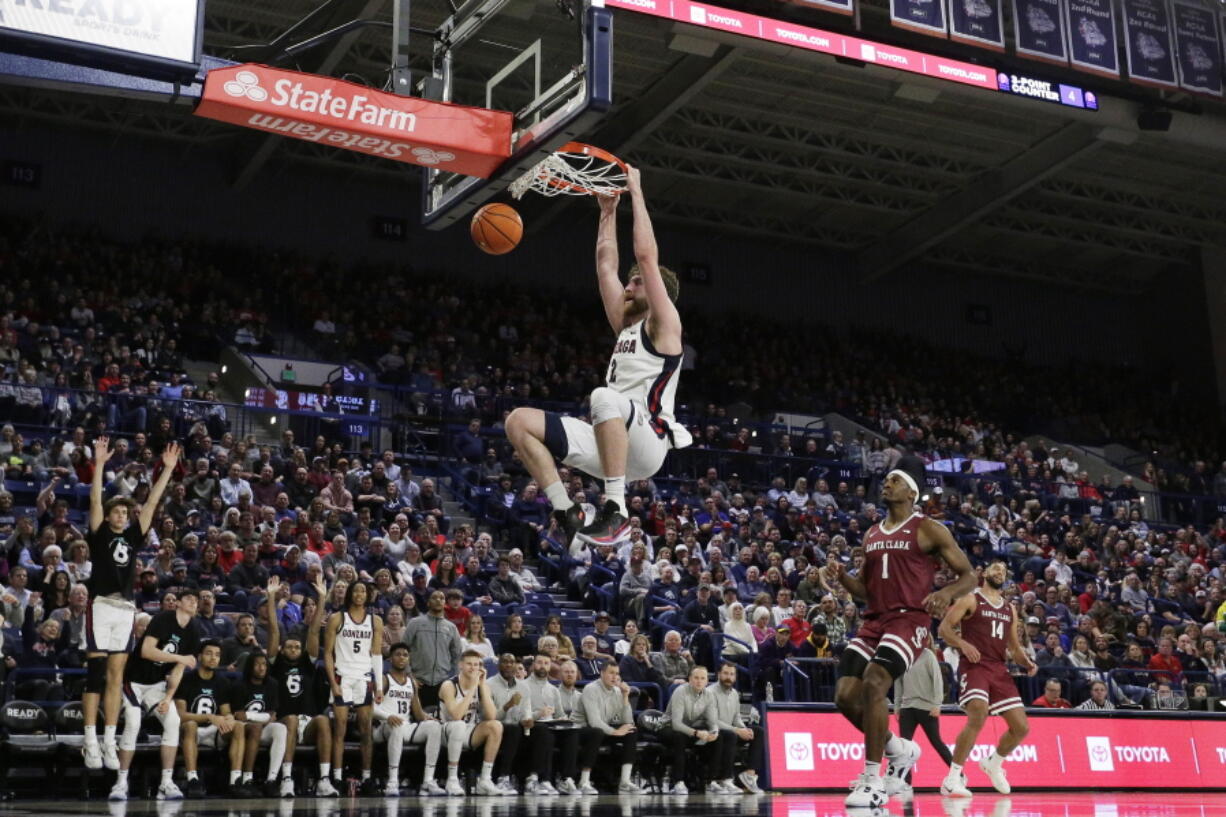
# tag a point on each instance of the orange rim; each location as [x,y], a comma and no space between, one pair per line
[586,150]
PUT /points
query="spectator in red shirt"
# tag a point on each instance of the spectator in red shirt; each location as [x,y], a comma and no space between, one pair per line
[456,612]
[798,624]
[1166,660]
[1086,600]
[316,543]
[1050,699]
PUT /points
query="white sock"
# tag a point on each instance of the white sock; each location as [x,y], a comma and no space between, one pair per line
[894,745]
[955,769]
[123,777]
[585,778]
[324,770]
[168,776]
[871,768]
[558,496]
[365,775]
[234,776]
[453,772]
[108,735]
[487,769]
[91,734]
[427,773]
[247,776]
[193,776]
[393,775]
[996,759]
[626,769]
[615,491]
[287,769]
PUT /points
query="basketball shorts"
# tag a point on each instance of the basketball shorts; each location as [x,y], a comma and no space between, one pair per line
[108,625]
[646,449]
[210,737]
[385,730]
[905,632]
[355,691]
[144,696]
[990,683]
[460,731]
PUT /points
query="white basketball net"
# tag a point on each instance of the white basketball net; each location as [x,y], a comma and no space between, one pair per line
[571,174]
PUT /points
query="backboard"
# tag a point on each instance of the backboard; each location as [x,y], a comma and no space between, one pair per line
[549,62]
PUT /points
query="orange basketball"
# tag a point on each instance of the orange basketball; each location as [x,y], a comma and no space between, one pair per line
[496,228]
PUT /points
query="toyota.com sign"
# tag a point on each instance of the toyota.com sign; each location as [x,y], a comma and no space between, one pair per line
[821,750]
[345,115]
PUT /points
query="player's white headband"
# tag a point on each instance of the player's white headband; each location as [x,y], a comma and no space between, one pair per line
[907,478]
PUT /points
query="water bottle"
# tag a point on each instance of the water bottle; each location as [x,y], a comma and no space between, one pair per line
[770,692]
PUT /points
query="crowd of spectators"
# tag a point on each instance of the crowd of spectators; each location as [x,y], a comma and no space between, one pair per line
[714,567]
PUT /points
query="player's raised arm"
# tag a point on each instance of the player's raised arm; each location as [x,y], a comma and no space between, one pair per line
[944,545]
[102,453]
[334,625]
[665,323]
[312,640]
[611,289]
[270,609]
[170,459]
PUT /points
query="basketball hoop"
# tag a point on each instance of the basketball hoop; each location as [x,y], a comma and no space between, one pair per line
[575,169]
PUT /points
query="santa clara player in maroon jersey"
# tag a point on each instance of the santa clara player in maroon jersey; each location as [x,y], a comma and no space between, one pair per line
[901,555]
[982,627]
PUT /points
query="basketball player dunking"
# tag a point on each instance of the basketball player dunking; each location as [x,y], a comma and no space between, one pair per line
[632,425]
[982,627]
[900,560]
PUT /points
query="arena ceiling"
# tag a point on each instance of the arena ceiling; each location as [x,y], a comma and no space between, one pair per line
[792,146]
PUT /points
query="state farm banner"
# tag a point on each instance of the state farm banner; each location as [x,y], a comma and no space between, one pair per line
[1039,30]
[327,111]
[1199,46]
[821,750]
[1150,49]
[977,22]
[1091,34]
[924,16]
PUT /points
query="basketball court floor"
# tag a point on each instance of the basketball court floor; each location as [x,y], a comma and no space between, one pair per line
[1048,804]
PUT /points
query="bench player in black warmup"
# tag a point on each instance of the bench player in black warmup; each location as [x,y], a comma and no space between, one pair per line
[114,540]
[896,581]
[203,700]
[151,678]
[255,704]
[293,666]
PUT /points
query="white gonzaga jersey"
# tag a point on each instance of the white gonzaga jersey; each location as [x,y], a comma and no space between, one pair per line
[398,700]
[351,652]
[473,715]
[649,378]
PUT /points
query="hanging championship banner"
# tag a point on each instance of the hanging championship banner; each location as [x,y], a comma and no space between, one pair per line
[924,16]
[1091,35]
[1148,42]
[1199,47]
[1039,30]
[977,22]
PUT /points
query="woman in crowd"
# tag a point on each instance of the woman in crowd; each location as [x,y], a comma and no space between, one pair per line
[476,639]
[514,640]
[411,561]
[393,628]
[762,629]
[738,628]
[78,565]
[636,667]
[553,627]
[447,575]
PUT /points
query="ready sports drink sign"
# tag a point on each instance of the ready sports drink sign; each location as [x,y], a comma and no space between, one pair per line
[327,111]
[166,29]
[821,750]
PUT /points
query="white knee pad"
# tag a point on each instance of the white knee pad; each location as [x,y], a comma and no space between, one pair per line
[132,716]
[170,727]
[606,405]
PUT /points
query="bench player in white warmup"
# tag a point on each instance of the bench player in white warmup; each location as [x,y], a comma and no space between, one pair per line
[353,658]
[632,426]
[471,721]
[404,721]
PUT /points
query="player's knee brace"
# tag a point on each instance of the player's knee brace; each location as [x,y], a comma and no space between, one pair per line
[131,728]
[170,728]
[95,675]
[606,405]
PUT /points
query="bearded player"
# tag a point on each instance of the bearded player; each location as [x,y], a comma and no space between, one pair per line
[900,560]
[633,425]
[982,627]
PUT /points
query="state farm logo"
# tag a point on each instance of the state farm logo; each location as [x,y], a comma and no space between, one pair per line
[798,747]
[1099,750]
[428,156]
[246,83]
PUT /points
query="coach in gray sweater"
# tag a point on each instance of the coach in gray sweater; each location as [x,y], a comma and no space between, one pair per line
[693,718]
[605,716]
[434,649]
[732,728]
